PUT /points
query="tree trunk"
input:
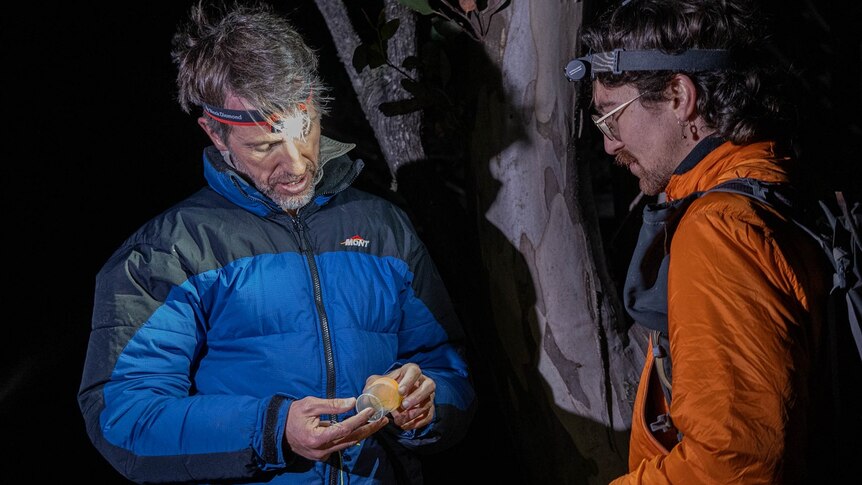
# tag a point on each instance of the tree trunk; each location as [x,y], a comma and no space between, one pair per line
[399,137]
[544,313]
[567,376]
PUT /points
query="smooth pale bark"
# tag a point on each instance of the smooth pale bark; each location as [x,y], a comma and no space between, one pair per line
[564,375]
[572,363]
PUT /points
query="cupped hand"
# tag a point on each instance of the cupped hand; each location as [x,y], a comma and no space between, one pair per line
[417,391]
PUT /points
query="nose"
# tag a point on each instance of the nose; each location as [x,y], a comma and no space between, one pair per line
[290,157]
[612,146]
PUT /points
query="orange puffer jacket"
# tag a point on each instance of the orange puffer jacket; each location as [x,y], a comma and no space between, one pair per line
[744,292]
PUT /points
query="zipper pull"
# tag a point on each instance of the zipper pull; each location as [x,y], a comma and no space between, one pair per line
[300,233]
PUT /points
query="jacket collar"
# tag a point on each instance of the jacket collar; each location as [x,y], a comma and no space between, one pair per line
[712,162]
[339,171]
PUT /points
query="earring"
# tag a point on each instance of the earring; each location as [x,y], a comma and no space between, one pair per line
[693,129]
[682,125]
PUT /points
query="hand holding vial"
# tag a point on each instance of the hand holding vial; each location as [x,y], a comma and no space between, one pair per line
[382,396]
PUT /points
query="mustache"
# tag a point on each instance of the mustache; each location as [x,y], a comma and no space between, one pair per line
[624,159]
[287,179]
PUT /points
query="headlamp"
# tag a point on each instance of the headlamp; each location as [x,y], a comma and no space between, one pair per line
[294,125]
[619,61]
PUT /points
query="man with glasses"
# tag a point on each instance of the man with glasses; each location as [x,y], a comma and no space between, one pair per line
[735,299]
[606,123]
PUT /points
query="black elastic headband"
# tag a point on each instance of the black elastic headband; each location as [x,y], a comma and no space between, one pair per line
[619,61]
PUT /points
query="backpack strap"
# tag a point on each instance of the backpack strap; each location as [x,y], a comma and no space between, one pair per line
[661,362]
[850,274]
[840,241]
[662,358]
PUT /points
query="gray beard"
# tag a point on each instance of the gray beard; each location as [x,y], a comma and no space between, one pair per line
[286,204]
[292,203]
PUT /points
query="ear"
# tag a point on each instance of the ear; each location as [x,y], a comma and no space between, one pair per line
[683,97]
[216,139]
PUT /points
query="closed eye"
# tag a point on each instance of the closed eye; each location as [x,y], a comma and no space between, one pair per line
[265,147]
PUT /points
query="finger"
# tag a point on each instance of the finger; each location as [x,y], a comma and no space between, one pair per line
[417,419]
[340,442]
[338,431]
[315,406]
[359,434]
[405,415]
[359,418]
[369,429]
[424,392]
[329,432]
[406,375]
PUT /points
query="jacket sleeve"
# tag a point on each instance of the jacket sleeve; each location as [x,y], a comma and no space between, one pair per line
[431,337]
[136,392]
[737,325]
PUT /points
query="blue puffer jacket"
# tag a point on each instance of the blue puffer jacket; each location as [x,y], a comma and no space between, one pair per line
[214,316]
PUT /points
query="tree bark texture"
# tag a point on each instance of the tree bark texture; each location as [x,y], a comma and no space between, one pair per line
[399,137]
[567,376]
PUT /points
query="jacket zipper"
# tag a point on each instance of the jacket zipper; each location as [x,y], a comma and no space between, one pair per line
[305,248]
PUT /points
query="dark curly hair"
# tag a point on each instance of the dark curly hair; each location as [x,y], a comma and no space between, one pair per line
[743,103]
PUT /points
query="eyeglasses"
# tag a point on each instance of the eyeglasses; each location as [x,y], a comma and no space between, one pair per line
[602,122]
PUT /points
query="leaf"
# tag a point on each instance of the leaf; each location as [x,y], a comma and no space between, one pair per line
[444,29]
[467,5]
[395,108]
[360,57]
[413,87]
[420,6]
[375,56]
[411,62]
[389,29]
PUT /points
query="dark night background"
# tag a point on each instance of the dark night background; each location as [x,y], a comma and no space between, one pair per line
[99,146]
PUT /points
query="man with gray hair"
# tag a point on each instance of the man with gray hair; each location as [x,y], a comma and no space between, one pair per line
[232,333]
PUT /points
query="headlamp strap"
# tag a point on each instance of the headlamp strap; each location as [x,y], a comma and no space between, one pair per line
[619,61]
[236,117]
[652,60]
[246,117]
